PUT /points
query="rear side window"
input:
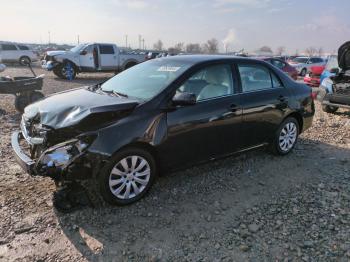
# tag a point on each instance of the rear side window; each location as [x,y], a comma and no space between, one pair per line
[23,47]
[6,47]
[106,50]
[257,77]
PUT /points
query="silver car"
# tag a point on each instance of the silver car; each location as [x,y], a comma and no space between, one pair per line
[303,64]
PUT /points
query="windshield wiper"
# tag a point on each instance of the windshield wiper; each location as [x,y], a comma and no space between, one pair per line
[115,93]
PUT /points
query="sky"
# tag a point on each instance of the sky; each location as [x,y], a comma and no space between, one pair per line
[236,24]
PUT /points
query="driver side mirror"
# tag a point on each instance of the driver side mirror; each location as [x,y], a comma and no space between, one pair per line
[184,99]
[334,71]
[84,52]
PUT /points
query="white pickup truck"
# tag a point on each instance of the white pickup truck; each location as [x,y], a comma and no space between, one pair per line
[92,57]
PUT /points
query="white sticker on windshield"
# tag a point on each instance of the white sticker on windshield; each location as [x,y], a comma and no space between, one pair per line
[168,68]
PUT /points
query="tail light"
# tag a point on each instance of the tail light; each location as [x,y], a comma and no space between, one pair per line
[313,95]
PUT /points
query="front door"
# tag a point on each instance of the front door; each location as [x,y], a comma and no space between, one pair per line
[209,128]
[264,103]
[108,57]
[87,58]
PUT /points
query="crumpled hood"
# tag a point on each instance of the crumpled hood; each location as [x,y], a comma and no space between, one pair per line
[344,56]
[54,53]
[68,108]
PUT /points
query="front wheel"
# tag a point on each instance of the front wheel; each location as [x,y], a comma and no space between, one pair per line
[128,176]
[286,137]
[68,71]
[329,109]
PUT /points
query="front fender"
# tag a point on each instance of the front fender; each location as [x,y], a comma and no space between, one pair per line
[149,130]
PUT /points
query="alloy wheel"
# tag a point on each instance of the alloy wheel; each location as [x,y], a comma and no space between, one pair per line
[129,177]
[288,136]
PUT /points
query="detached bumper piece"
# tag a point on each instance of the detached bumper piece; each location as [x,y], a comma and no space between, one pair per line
[22,159]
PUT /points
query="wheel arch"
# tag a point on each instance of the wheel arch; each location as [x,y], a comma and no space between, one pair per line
[129,63]
[299,118]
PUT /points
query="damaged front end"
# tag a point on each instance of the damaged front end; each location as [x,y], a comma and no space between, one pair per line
[41,156]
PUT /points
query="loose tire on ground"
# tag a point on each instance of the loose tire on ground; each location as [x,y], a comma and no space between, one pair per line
[289,126]
[113,173]
[329,109]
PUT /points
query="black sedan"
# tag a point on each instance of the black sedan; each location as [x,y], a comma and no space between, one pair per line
[164,114]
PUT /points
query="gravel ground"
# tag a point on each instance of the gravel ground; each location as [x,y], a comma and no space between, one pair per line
[251,207]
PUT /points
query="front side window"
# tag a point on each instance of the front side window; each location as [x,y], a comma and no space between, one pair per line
[6,47]
[146,80]
[209,83]
[257,77]
[332,63]
[277,63]
[106,50]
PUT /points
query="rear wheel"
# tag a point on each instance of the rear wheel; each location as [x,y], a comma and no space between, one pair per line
[286,137]
[329,109]
[24,60]
[128,176]
[128,65]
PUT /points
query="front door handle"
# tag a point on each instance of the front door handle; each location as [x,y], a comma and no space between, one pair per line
[234,107]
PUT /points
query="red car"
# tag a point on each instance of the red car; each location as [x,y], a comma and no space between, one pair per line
[284,66]
[312,79]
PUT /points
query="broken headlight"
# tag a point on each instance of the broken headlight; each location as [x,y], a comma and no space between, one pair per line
[61,155]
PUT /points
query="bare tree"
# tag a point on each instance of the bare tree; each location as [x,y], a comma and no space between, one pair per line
[211,46]
[158,45]
[193,48]
[178,48]
[266,49]
[280,50]
[311,51]
[320,51]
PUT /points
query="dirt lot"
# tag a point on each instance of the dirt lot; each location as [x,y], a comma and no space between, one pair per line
[251,207]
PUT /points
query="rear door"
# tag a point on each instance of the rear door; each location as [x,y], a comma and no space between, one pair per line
[264,101]
[9,53]
[108,57]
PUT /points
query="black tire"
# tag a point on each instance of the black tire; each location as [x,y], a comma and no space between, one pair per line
[276,145]
[128,65]
[24,60]
[105,174]
[57,72]
[36,96]
[21,102]
[303,72]
[329,109]
[63,73]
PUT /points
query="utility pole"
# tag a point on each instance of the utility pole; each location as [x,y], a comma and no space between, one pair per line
[126,41]
[49,38]
[143,44]
[78,40]
[139,41]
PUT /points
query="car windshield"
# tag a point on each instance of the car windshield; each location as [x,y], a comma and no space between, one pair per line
[332,62]
[300,59]
[146,80]
[78,48]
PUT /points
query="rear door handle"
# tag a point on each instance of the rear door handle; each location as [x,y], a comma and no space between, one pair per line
[282,98]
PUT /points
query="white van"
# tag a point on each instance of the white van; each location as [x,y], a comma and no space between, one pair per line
[12,52]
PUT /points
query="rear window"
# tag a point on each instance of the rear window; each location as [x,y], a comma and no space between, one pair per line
[23,47]
[6,47]
[106,50]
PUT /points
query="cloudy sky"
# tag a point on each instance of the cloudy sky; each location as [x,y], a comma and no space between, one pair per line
[249,24]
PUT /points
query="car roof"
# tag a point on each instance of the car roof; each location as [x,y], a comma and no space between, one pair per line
[196,59]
